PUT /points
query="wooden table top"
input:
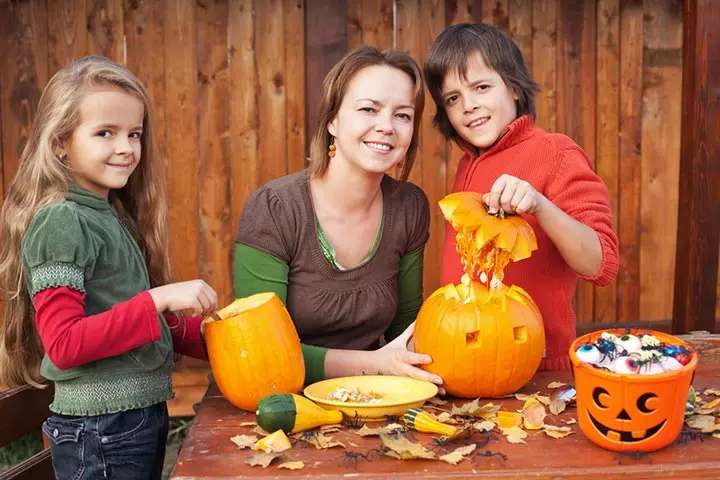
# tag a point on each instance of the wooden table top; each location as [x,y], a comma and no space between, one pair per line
[208,452]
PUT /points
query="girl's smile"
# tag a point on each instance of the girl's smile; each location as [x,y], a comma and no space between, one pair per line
[106,146]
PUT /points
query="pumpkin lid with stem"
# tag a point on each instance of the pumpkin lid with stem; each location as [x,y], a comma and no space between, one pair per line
[486,242]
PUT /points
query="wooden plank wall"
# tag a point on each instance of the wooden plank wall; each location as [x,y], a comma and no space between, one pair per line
[234,85]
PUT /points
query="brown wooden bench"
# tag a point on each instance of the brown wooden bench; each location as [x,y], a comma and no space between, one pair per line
[24,409]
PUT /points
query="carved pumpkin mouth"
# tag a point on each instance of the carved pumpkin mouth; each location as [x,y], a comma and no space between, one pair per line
[626,437]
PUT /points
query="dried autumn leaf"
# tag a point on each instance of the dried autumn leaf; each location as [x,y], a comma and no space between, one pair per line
[570,422]
[712,391]
[557,428]
[443,417]
[473,409]
[437,401]
[507,419]
[244,441]
[557,432]
[330,428]
[458,454]
[701,421]
[262,459]
[259,430]
[514,434]
[545,400]
[716,435]
[248,424]
[292,465]
[557,406]
[275,442]
[365,431]
[556,384]
[514,431]
[533,414]
[321,442]
[524,397]
[714,428]
[708,408]
[484,426]
[404,449]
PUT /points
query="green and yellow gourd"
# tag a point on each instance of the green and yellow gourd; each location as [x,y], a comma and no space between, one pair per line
[292,413]
[423,422]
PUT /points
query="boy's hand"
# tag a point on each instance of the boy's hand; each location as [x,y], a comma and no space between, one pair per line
[195,296]
[513,196]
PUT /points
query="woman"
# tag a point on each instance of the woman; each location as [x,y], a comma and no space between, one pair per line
[341,243]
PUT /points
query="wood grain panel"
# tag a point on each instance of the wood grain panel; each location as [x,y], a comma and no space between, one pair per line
[628,213]
[243,106]
[181,101]
[214,147]
[105,29]
[607,139]
[662,73]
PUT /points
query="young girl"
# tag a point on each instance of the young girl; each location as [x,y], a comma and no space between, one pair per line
[485,102]
[85,269]
[341,242]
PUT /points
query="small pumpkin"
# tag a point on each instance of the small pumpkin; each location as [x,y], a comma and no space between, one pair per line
[421,421]
[292,413]
[485,338]
[254,350]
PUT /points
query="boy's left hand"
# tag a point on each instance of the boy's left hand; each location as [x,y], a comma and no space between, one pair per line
[513,196]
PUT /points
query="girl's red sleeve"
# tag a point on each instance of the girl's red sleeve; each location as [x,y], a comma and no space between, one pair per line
[70,338]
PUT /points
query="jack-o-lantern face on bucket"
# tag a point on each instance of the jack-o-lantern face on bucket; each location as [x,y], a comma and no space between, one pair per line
[630,412]
[626,421]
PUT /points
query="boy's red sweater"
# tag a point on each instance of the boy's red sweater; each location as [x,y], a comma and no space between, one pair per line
[559,169]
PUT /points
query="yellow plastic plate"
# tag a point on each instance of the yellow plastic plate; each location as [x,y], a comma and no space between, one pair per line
[399,394]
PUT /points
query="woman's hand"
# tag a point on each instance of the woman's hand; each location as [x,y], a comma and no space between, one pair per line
[514,196]
[395,359]
[195,297]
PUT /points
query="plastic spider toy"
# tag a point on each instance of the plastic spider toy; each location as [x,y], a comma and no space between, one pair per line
[348,459]
[308,436]
[635,456]
[354,422]
[486,454]
[687,434]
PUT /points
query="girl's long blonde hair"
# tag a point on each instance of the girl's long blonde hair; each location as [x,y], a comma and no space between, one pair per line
[42,178]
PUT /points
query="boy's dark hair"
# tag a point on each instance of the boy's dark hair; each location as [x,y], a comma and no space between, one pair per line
[451,50]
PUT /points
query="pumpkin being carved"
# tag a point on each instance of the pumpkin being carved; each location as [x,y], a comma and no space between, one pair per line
[485,338]
[254,350]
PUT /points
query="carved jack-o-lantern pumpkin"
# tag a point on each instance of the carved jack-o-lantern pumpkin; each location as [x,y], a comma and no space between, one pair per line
[630,412]
[485,338]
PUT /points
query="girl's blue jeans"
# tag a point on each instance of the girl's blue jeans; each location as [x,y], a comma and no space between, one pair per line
[127,445]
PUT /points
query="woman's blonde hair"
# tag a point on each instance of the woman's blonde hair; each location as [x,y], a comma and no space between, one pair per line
[42,178]
[335,86]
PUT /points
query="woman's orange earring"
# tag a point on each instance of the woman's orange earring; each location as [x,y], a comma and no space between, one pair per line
[331,148]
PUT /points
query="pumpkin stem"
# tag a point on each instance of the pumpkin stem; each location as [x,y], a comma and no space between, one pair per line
[499,214]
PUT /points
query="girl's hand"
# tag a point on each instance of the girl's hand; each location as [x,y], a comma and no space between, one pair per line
[195,296]
[513,196]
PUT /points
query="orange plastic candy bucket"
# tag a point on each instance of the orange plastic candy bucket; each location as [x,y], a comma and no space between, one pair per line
[631,412]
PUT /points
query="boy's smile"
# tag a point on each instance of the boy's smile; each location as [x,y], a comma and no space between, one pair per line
[479,104]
